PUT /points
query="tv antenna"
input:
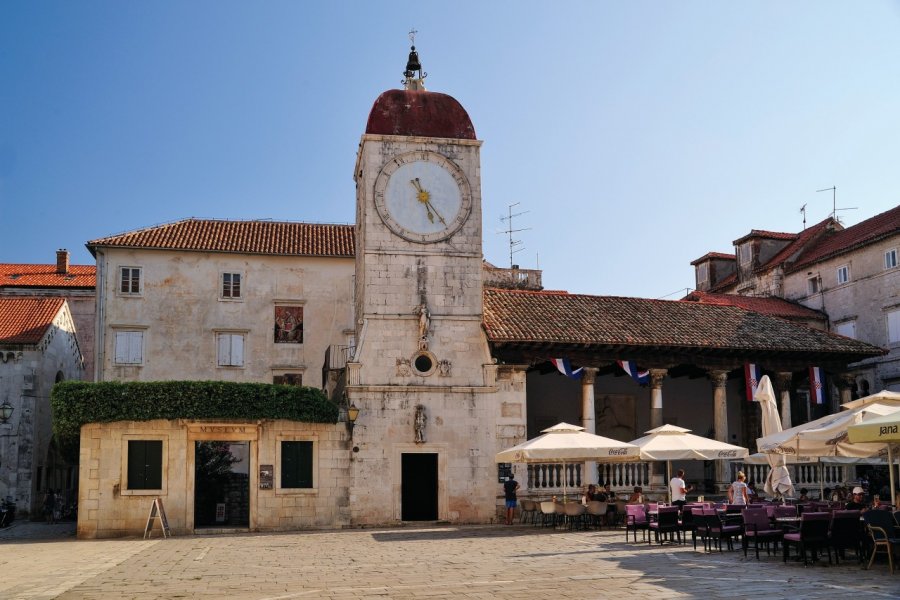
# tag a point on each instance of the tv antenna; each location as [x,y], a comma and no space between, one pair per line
[803,212]
[834,208]
[515,246]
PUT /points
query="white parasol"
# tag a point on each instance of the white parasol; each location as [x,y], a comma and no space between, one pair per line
[778,481]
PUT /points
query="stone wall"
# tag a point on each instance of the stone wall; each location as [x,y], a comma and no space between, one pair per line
[108,509]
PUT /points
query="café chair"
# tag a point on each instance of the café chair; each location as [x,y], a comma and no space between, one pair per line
[716,530]
[812,536]
[548,514]
[881,528]
[529,510]
[846,532]
[596,510]
[666,524]
[574,513]
[636,519]
[759,529]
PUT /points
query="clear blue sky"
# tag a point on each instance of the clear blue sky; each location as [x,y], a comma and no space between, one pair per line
[637,135]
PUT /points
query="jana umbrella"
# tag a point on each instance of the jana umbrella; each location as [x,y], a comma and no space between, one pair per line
[567,443]
[884,430]
[827,436]
[670,442]
[778,481]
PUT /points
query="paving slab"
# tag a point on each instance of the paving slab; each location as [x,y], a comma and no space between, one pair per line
[475,562]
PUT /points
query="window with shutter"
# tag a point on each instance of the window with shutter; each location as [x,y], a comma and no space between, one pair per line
[144,465]
[296,464]
[129,348]
[847,328]
[230,349]
[231,285]
[893,324]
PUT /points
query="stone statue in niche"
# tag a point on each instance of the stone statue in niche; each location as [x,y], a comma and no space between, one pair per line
[403,368]
[444,368]
[420,424]
[424,323]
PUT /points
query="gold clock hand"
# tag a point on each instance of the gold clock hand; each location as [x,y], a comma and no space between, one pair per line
[431,206]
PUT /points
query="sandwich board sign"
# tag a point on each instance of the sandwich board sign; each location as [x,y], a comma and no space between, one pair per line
[157,513]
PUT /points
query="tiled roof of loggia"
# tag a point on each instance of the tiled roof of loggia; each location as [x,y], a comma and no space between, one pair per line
[514,316]
[25,320]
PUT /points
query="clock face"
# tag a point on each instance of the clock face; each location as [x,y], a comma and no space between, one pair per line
[422,196]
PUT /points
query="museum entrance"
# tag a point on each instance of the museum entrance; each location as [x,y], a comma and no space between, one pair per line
[419,487]
[221,484]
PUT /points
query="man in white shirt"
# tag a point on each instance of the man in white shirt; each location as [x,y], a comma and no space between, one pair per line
[678,489]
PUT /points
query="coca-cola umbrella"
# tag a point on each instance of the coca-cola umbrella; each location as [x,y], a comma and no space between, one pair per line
[670,442]
[565,443]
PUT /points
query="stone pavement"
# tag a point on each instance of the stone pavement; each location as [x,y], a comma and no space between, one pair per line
[473,562]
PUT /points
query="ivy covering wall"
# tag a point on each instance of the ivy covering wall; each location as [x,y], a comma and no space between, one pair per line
[76,403]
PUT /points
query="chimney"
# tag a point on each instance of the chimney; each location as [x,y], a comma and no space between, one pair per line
[62,261]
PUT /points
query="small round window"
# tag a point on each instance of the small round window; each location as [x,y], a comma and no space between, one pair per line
[424,363]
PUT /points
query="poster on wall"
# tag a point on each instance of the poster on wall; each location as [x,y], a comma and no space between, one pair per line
[288,324]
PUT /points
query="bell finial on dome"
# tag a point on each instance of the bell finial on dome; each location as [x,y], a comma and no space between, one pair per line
[411,82]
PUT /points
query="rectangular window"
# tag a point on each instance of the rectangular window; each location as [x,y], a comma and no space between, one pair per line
[130,280]
[890,259]
[230,349]
[296,464]
[893,325]
[745,253]
[843,274]
[288,379]
[288,324]
[144,465]
[812,285]
[847,329]
[231,285]
[129,348]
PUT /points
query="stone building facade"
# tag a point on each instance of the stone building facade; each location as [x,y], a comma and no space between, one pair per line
[851,275]
[439,370]
[38,347]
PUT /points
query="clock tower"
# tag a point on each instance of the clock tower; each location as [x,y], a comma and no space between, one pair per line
[421,366]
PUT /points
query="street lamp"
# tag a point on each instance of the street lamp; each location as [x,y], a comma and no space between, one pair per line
[352,414]
[6,411]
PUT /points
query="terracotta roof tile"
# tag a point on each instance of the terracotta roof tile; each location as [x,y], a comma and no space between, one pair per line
[540,317]
[761,233]
[25,320]
[710,255]
[845,240]
[776,307]
[243,237]
[803,239]
[45,276]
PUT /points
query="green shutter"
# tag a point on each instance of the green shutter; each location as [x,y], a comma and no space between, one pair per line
[296,464]
[144,464]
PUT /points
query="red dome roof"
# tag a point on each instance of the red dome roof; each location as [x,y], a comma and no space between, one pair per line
[419,113]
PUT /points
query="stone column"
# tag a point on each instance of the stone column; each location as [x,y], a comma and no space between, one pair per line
[589,419]
[784,380]
[720,411]
[845,383]
[656,399]
[657,469]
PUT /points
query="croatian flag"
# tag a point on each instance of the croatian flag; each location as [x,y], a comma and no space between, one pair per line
[642,377]
[817,385]
[565,367]
[752,375]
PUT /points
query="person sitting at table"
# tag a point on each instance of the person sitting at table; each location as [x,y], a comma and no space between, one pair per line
[637,496]
[752,494]
[804,495]
[589,495]
[826,495]
[737,493]
[856,502]
[839,494]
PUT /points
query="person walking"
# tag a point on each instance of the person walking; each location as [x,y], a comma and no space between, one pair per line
[50,506]
[737,493]
[510,486]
